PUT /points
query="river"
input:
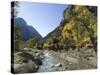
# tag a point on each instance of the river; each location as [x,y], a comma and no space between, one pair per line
[61,61]
[51,62]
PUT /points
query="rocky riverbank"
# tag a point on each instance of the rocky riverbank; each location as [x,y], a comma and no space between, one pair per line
[33,60]
[27,61]
[68,60]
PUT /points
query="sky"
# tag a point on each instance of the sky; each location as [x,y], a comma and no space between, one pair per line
[44,17]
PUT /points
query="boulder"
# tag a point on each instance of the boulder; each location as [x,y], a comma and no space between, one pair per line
[58,65]
[25,62]
[28,67]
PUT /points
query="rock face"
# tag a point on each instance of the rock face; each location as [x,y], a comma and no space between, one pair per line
[27,30]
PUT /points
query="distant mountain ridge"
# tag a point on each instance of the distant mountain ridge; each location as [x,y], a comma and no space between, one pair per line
[27,30]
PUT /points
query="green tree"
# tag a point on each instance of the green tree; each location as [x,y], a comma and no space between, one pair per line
[17,36]
[33,42]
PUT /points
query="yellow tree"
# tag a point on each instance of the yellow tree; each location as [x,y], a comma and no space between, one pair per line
[84,21]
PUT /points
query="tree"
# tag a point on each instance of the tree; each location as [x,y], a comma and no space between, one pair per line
[33,42]
[85,22]
[17,36]
[17,31]
[69,35]
[14,8]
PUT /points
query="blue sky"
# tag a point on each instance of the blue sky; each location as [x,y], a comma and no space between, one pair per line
[43,17]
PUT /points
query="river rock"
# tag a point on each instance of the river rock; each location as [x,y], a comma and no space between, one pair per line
[40,55]
[70,63]
[58,65]
[28,67]
[38,61]
[25,62]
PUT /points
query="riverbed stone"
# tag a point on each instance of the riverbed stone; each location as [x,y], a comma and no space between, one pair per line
[58,65]
[26,62]
[28,67]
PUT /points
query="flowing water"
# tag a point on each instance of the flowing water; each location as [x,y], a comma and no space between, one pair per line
[61,61]
[50,63]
